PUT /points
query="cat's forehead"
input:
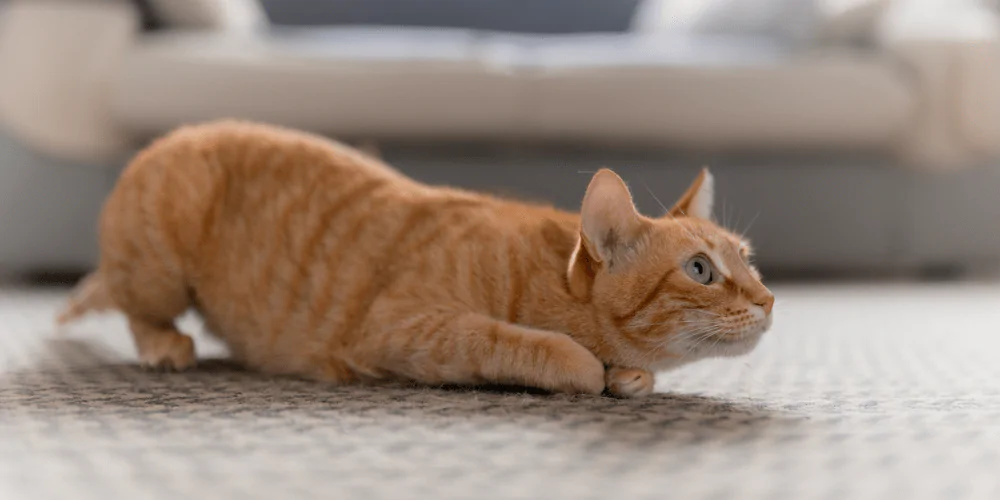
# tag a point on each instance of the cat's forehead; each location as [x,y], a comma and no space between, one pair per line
[708,234]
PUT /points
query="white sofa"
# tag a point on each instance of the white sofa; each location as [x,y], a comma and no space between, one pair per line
[913,82]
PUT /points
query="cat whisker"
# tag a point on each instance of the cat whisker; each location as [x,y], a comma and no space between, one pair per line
[717,340]
[650,191]
[702,311]
[665,209]
[704,336]
[654,350]
[692,347]
[701,322]
[725,214]
[698,336]
[750,225]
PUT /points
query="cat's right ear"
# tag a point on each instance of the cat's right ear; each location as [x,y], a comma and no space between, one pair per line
[698,199]
[609,227]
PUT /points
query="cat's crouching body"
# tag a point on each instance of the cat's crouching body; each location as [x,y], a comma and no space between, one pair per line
[309,258]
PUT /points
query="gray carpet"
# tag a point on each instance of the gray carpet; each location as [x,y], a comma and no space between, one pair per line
[858,392]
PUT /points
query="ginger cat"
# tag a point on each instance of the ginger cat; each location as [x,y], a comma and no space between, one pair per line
[310,258]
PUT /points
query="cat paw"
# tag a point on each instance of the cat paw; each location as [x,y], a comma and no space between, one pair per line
[171,353]
[573,369]
[629,382]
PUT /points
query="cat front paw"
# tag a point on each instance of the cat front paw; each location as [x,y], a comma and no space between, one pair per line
[573,369]
[629,382]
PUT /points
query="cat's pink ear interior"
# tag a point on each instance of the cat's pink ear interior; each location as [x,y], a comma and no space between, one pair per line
[697,201]
[608,218]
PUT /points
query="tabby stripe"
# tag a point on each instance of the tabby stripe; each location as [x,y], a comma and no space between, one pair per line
[648,299]
[322,301]
[307,252]
[736,289]
[359,300]
[442,353]
[516,287]
[655,324]
[325,298]
[302,263]
[441,227]
[154,208]
[732,287]
[211,215]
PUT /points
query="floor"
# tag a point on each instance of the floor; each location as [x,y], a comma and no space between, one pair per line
[880,391]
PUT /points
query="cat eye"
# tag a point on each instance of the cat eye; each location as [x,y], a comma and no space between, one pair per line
[700,270]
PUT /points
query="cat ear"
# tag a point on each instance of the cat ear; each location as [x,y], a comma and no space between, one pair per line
[698,199]
[609,223]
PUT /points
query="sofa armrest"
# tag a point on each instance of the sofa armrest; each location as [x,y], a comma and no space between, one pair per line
[58,58]
[952,48]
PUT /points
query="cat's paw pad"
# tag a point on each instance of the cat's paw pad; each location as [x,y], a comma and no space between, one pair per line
[630,382]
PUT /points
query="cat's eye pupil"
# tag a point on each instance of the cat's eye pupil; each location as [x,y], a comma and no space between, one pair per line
[698,268]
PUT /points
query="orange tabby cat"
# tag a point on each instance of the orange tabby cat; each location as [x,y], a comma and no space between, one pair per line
[310,258]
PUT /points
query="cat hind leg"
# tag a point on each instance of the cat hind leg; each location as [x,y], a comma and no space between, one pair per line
[152,296]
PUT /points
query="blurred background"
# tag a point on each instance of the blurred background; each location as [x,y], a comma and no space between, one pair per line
[855,141]
[849,137]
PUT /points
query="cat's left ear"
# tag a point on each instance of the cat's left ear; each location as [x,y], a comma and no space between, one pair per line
[609,222]
[609,228]
[697,201]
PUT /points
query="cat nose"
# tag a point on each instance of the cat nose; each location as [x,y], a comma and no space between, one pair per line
[767,303]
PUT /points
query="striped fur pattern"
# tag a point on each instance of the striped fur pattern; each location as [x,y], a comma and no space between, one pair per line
[310,258]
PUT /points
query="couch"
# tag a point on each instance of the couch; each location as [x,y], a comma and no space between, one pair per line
[855,134]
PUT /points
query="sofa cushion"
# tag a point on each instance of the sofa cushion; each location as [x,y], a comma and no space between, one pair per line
[345,81]
[713,92]
[790,20]
[455,84]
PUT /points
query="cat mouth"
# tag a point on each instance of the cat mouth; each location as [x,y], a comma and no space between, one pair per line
[734,344]
[754,331]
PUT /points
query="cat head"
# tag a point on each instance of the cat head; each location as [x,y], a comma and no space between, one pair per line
[675,288]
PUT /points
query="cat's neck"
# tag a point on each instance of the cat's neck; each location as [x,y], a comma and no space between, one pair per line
[547,302]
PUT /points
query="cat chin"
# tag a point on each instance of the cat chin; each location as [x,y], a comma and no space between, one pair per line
[721,349]
[726,348]
[740,347]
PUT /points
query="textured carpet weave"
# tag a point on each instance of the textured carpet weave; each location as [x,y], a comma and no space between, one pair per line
[858,392]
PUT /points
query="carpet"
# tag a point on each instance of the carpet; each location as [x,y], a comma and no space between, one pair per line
[887,391]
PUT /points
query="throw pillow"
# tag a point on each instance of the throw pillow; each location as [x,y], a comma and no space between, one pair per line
[787,19]
[236,15]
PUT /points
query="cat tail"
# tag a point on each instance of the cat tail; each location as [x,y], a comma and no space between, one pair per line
[90,295]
